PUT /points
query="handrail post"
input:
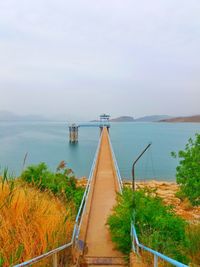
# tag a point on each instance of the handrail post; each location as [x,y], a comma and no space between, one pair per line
[137,249]
[133,240]
[55,260]
[155,260]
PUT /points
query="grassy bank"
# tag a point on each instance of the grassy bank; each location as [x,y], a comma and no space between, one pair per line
[37,212]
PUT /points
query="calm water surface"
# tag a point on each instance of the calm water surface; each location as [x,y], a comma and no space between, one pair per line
[48,142]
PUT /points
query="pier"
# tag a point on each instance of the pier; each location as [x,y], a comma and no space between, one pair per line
[97,247]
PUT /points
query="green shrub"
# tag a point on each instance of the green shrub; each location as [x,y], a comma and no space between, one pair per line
[156,225]
[193,234]
[62,183]
[188,170]
[120,222]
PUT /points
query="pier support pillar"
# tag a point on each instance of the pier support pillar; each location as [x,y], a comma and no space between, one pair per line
[73,133]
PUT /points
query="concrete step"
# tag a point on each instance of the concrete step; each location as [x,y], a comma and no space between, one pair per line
[103,261]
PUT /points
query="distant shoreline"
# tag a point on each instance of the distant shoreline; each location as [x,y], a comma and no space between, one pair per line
[190,119]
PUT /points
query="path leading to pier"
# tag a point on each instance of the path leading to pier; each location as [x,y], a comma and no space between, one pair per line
[100,249]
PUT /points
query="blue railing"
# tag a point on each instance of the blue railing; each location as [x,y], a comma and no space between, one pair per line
[77,225]
[46,255]
[136,246]
[81,210]
[116,166]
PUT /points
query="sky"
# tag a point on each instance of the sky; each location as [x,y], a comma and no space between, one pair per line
[83,58]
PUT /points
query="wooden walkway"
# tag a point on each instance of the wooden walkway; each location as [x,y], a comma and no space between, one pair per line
[99,249]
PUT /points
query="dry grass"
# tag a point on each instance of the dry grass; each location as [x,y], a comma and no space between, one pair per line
[31,222]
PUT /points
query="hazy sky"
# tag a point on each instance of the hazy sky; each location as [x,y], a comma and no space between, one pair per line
[91,56]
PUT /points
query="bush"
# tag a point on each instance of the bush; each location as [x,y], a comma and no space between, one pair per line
[188,171]
[62,183]
[156,225]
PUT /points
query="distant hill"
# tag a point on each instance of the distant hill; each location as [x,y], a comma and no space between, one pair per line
[123,119]
[9,116]
[152,118]
[195,118]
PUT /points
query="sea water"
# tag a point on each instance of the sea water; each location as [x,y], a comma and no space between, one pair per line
[48,142]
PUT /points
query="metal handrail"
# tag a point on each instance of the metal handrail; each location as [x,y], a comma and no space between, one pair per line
[45,255]
[136,245]
[85,196]
[92,124]
[116,166]
[77,221]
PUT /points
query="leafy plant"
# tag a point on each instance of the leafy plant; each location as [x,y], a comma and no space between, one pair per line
[188,171]
[62,183]
[157,226]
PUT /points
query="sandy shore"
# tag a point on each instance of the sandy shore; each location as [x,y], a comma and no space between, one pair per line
[167,191]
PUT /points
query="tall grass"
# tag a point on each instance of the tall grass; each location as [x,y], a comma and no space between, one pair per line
[31,221]
[193,233]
